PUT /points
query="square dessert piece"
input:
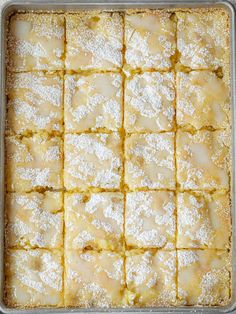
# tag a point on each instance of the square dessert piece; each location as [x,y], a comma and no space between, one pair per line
[202,160]
[202,100]
[33,220]
[94,221]
[92,160]
[94,41]
[203,277]
[203,220]
[94,279]
[149,40]
[36,42]
[34,278]
[150,161]
[33,162]
[150,219]
[34,102]
[151,278]
[203,39]
[93,102]
[149,102]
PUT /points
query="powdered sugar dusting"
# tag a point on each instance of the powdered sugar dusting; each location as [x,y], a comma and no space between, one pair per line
[149,102]
[92,160]
[96,39]
[150,219]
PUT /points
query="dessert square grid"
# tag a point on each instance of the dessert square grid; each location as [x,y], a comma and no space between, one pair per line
[118,159]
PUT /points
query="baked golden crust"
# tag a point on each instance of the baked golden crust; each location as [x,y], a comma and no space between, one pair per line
[209,271]
[36,42]
[94,41]
[93,279]
[34,102]
[34,278]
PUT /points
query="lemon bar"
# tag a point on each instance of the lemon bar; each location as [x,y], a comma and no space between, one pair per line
[203,277]
[150,219]
[203,39]
[93,102]
[93,279]
[203,220]
[33,162]
[149,161]
[94,41]
[151,277]
[149,40]
[94,221]
[34,102]
[34,278]
[149,102]
[92,160]
[33,220]
[202,160]
[36,42]
[202,100]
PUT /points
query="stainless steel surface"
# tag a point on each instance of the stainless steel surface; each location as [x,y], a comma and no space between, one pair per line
[54,5]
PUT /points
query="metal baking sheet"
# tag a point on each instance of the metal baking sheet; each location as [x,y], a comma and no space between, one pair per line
[120,5]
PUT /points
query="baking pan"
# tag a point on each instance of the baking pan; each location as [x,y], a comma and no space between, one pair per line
[120,5]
